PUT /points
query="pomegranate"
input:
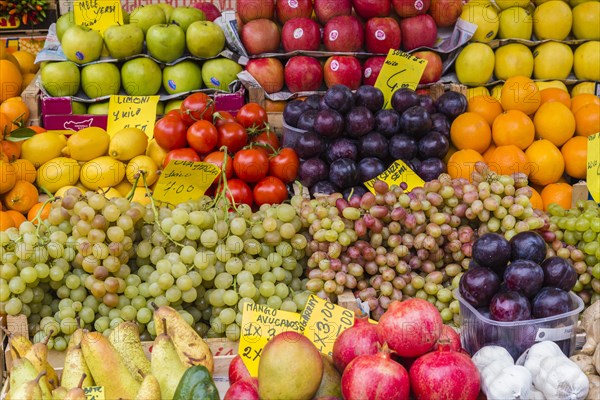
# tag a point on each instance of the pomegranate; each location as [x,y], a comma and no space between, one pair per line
[375,377]
[450,337]
[444,374]
[360,339]
[410,327]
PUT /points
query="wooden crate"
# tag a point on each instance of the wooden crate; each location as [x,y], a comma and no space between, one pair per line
[31,97]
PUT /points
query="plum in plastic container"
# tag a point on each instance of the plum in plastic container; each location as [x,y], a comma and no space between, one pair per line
[477,330]
[291,135]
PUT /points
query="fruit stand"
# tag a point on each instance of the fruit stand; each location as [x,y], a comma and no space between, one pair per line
[301,199]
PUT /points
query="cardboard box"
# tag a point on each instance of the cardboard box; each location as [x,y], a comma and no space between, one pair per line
[128,5]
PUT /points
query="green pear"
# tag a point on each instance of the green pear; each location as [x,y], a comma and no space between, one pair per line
[81,44]
[166,365]
[146,16]
[124,41]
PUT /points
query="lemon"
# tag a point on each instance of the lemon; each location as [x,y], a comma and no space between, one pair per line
[486,19]
[586,20]
[497,91]
[586,61]
[477,91]
[552,60]
[124,187]
[139,164]
[583,87]
[43,147]
[87,144]
[155,152]
[57,173]
[63,190]
[505,4]
[515,23]
[141,195]
[552,20]
[110,192]
[513,59]
[101,172]
[475,64]
[551,84]
[128,143]
[575,3]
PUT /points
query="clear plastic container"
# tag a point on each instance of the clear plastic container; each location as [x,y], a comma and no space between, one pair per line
[477,331]
[291,135]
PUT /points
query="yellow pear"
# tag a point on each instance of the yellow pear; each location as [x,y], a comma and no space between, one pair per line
[586,20]
[486,19]
[552,60]
[552,20]
[504,4]
[586,62]
[515,23]
[475,64]
[125,338]
[550,84]
[584,87]
[513,59]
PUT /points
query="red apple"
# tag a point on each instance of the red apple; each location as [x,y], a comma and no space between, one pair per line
[327,9]
[410,8]
[445,12]
[344,70]
[382,34]
[288,9]
[254,9]
[433,70]
[260,36]
[371,68]
[418,31]
[237,370]
[211,12]
[344,33]
[268,72]
[301,34]
[303,74]
[372,8]
[246,389]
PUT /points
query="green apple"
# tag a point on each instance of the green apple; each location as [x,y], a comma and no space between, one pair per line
[100,79]
[174,104]
[167,9]
[141,77]
[98,108]
[218,73]
[81,44]
[61,78]
[182,77]
[160,108]
[204,39]
[78,108]
[125,16]
[124,41]
[146,16]
[166,43]
[184,16]
[63,23]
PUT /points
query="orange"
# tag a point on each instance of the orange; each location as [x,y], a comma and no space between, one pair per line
[575,154]
[17,217]
[583,99]
[546,163]
[488,152]
[471,131]
[6,125]
[10,80]
[555,122]
[536,200]
[10,150]
[21,197]
[16,110]
[6,221]
[462,163]
[33,211]
[37,129]
[587,119]
[555,94]
[8,176]
[513,127]
[560,193]
[25,170]
[507,160]
[274,106]
[486,106]
[520,93]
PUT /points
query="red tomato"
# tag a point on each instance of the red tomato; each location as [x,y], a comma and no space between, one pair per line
[197,106]
[202,136]
[221,117]
[170,133]
[251,165]
[216,158]
[174,113]
[270,190]
[252,115]
[232,135]
[185,154]
[239,192]
[285,165]
[269,139]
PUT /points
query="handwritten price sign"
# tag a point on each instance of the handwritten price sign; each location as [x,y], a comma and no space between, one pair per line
[400,70]
[132,112]
[593,166]
[182,180]
[98,14]
[397,173]
[94,393]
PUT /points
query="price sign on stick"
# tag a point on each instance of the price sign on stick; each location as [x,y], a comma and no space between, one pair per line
[397,173]
[400,70]
[94,393]
[98,14]
[132,112]
[593,166]
[182,180]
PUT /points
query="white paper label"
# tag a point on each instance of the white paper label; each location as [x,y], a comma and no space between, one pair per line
[333,35]
[419,5]
[554,334]
[293,3]
[379,34]
[298,32]
[335,65]
[368,72]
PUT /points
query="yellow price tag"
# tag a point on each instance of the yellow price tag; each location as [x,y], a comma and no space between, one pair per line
[259,325]
[94,393]
[132,112]
[322,322]
[182,180]
[400,70]
[593,166]
[397,173]
[98,14]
